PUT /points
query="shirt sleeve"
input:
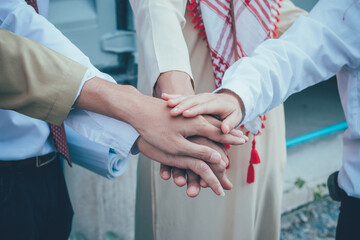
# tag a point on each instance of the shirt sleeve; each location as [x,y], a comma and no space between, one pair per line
[162,46]
[312,50]
[20,18]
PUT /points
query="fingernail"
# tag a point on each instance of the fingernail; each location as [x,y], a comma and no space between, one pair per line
[175,110]
[221,191]
[230,184]
[166,173]
[192,189]
[215,156]
[226,128]
[242,140]
[187,111]
[180,178]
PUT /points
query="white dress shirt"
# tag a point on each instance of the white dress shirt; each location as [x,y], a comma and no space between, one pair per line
[21,136]
[312,50]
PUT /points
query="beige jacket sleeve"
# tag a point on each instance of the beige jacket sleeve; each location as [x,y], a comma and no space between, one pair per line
[35,80]
[162,46]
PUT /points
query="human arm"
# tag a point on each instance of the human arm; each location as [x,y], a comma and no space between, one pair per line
[160,51]
[51,64]
[312,50]
[35,80]
[124,102]
[164,45]
[17,16]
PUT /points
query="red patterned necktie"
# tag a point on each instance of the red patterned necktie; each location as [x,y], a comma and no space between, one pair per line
[33,4]
[59,136]
[58,132]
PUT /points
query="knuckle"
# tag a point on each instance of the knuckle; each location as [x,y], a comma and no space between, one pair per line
[177,147]
[200,119]
[214,185]
[168,158]
[202,168]
[226,162]
[222,166]
[202,153]
[218,169]
[177,151]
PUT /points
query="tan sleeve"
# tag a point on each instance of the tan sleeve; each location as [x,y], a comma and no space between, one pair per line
[35,80]
[162,46]
[289,13]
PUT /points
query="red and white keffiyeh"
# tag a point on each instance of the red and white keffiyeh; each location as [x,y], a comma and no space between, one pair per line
[233,29]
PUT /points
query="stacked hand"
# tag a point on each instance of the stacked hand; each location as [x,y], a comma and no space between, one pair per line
[226,105]
[175,141]
[179,82]
[192,143]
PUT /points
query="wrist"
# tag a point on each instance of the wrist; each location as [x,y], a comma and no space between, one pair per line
[128,104]
[174,82]
[237,99]
[110,99]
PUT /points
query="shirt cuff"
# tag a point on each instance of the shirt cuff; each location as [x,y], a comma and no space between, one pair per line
[103,130]
[89,74]
[235,83]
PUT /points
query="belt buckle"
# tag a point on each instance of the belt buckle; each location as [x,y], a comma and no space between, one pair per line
[40,163]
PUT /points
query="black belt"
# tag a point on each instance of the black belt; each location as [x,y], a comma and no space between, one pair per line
[37,161]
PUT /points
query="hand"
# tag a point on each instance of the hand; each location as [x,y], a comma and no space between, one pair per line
[180,83]
[157,127]
[197,166]
[181,176]
[193,180]
[226,104]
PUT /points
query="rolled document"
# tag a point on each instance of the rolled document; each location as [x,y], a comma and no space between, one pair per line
[97,158]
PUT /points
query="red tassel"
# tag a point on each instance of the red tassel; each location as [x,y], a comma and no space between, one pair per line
[228,166]
[250,174]
[262,125]
[254,158]
[274,34]
[191,6]
[227,146]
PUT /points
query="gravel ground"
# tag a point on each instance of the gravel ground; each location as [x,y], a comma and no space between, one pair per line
[316,220]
